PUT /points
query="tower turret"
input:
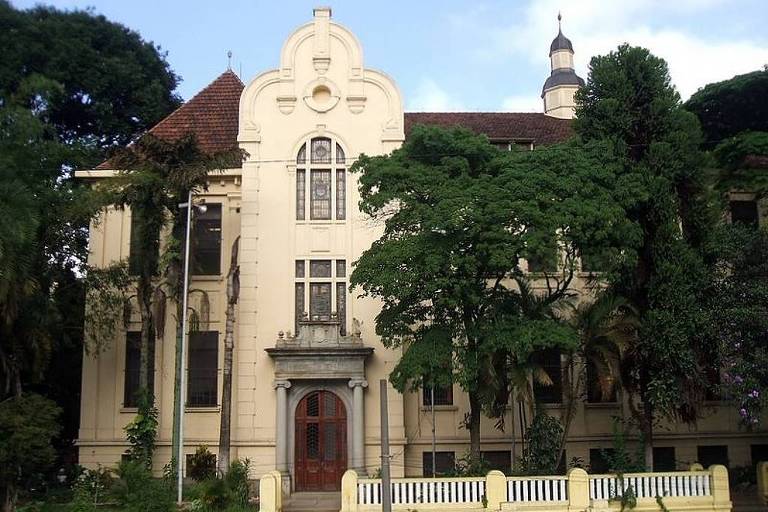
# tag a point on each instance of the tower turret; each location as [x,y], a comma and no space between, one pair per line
[563,82]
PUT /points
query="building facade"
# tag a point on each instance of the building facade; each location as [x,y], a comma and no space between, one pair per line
[307,361]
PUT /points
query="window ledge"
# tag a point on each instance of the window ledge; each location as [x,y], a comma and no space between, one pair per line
[218,277]
[601,405]
[319,222]
[194,409]
[552,406]
[439,408]
[131,410]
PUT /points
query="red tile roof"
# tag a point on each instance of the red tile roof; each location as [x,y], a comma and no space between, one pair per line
[540,129]
[211,115]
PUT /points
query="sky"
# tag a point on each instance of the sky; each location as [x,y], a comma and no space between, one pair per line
[450,55]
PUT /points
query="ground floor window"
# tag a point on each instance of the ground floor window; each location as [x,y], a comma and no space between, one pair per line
[716,454]
[599,460]
[664,458]
[202,369]
[445,463]
[500,460]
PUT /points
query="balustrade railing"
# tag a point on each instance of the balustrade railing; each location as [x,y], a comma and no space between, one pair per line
[414,491]
[527,489]
[651,485]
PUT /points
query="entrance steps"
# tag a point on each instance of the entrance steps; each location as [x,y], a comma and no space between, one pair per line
[313,502]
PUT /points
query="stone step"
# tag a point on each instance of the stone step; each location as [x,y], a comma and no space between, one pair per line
[313,502]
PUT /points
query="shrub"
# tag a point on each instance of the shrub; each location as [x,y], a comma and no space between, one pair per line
[228,493]
[137,491]
[142,431]
[202,465]
[542,445]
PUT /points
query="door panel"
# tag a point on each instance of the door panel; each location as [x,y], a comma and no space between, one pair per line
[321,442]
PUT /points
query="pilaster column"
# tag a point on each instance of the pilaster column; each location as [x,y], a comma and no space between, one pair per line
[358,424]
[281,431]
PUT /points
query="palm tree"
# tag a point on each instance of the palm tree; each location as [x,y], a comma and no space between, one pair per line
[607,327]
[155,176]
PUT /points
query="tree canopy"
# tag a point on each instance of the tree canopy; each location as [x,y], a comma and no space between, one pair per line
[629,100]
[732,106]
[111,84]
[459,217]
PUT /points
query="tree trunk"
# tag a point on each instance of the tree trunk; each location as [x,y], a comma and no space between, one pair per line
[648,434]
[10,497]
[144,295]
[573,387]
[474,427]
[233,293]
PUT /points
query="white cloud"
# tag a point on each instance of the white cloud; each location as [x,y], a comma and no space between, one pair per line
[597,27]
[522,103]
[430,97]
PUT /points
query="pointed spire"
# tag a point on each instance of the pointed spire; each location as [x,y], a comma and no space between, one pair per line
[229,60]
[559,22]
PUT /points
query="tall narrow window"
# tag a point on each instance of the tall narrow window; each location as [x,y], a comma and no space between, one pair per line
[322,179]
[135,255]
[206,241]
[341,307]
[549,361]
[320,301]
[300,306]
[443,395]
[301,184]
[320,198]
[202,370]
[341,192]
[133,366]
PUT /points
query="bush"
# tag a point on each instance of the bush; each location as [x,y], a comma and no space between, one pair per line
[229,493]
[202,465]
[542,445]
[137,491]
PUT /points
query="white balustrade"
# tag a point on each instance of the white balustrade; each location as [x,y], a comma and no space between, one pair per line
[678,484]
[527,489]
[413,491]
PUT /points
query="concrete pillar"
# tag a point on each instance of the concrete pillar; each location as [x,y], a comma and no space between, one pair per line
[358,424]
[578,489]
[281,432]
[495,489]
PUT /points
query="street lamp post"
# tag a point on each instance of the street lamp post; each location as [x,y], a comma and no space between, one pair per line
[183,373]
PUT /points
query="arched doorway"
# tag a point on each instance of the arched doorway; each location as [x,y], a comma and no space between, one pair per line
[321,442]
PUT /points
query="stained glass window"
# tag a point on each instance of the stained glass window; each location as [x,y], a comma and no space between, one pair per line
[300,266]
[341,268]
[301,178]
[340,159]
[341,195]
[320,268]
[300,307]
[320,301]
[341,307]
[320,195]
[301,158]
[321,151]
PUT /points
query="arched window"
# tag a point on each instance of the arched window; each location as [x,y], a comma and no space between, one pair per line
[322,179]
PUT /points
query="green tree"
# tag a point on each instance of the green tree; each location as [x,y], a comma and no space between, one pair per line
[732,106]
[28,422]
[458,218]
[112,84]
[629,100]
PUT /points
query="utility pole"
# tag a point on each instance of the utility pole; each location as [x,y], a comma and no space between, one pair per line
[434,440]
[182,376]
[386,485]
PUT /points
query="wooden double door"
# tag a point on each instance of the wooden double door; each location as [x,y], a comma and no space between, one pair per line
[321,442]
